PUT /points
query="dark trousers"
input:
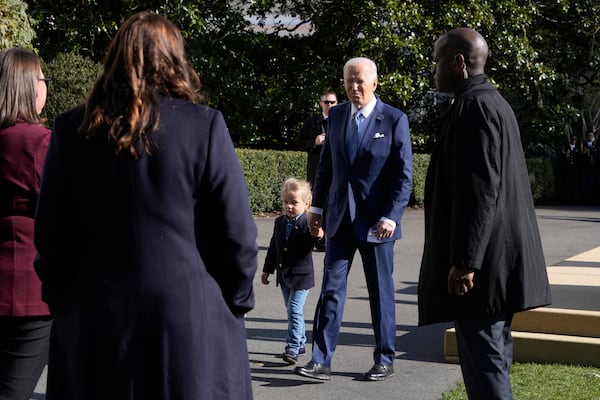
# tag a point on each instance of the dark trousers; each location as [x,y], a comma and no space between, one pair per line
[485,350]
[24,345]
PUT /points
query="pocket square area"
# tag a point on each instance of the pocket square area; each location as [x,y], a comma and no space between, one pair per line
[378,135]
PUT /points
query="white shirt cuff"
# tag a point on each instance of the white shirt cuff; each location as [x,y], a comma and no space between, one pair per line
[315,210]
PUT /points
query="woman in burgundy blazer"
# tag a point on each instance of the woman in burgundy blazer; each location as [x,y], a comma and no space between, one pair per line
[24,317]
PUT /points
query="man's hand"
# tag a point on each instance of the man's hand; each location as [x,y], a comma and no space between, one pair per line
[314,223]
[460,280]
[319,139]
[384,230]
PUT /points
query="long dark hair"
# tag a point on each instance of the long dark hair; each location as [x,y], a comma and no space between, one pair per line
[145,59]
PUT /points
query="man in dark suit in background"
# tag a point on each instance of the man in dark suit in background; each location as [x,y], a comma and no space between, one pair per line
[365,176]
[312,135]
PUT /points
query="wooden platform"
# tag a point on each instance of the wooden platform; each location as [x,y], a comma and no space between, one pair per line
[556,335]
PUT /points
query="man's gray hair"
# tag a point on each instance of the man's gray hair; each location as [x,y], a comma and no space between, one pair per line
[362,60]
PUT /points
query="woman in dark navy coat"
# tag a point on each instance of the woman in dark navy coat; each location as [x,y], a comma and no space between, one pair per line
[147,247]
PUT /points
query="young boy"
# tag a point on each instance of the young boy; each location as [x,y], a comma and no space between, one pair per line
[290,254]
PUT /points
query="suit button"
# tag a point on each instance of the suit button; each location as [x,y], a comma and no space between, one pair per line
[285,249]
[279,266]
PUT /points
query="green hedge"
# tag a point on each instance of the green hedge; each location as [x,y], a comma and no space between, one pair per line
[541,177]
[266,170]
[420,164]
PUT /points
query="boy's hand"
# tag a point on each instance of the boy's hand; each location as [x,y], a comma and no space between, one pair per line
[315,227]
[320,233]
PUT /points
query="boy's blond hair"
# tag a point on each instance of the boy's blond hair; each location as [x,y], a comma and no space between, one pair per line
[300,186]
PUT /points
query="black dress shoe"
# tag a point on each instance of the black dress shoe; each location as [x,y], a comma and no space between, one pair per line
[379,372]
[314,370]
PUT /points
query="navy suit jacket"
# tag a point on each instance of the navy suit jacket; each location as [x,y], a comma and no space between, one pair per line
[380,176]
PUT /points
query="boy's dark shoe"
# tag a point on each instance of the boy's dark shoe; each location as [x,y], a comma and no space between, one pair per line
[314,370]
[290,357]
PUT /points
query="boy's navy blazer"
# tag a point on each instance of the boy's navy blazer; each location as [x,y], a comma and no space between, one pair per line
[292,258]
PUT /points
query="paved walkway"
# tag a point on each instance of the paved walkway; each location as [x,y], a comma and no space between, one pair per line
[571,240]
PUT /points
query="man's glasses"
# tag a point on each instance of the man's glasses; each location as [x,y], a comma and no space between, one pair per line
[329,101]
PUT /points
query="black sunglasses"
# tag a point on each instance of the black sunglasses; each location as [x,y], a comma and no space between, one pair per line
[329,101]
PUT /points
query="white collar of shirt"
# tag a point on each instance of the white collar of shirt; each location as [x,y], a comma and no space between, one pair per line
[366,110]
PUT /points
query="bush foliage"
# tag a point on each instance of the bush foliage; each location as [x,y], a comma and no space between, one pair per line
[264,63]
[73,77]
[16,27]
[420,164]
[541,177]
[266,170]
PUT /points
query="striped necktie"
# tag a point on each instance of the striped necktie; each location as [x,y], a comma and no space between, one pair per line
[354,135]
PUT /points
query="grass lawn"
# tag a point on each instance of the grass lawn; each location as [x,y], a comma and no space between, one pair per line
[547,382]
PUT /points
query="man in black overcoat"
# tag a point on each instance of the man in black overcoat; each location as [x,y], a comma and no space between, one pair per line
[483,258]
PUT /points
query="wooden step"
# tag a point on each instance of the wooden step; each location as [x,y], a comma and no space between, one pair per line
[542,348]
[558,321]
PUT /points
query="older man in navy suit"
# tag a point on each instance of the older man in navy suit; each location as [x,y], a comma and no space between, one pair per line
[365,176]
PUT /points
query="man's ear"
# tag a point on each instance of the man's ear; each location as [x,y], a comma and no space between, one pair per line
[460,67]
[459,61]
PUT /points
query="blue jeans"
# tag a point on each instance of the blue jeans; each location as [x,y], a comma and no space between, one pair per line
[294,301]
